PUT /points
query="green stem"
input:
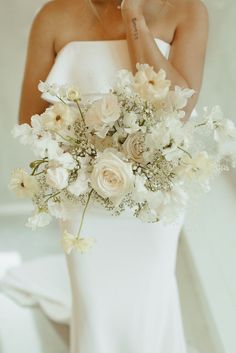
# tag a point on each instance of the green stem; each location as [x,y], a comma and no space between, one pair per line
[202,124]
[185,152]
[83,214]
[37,166]
[67,138]
[62,100]
[52,195]
[81,113]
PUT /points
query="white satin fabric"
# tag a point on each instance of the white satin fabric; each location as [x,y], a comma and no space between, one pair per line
[121,296]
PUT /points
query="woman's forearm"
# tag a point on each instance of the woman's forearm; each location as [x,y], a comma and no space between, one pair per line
[143,49]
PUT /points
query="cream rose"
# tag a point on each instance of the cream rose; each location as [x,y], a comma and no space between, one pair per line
[133,147]
[103,114]
[112,177]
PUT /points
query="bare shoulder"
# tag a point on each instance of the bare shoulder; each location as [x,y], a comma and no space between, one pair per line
[193,11]
[48,13]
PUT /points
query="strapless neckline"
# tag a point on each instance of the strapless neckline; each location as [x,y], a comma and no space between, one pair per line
[102,41]
[92,66]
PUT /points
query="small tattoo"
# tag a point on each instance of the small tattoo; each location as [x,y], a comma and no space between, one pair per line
[135,29]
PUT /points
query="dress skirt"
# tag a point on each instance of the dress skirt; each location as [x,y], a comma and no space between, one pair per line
[124,291]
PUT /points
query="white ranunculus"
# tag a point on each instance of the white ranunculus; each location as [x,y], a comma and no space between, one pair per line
[57,177]
[149,84]
[130,122]
[80,185]
[103,114]
[40,219]
[111,176]
[133,147]
[59,117]
[23,184]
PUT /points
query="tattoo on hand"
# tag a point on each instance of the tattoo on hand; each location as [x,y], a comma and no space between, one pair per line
[135,29]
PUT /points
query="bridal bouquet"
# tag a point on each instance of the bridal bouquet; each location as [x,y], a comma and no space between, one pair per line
[127,149]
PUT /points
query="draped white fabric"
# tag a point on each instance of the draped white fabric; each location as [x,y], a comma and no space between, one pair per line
[122,295]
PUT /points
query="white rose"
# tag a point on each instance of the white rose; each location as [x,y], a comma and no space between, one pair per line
[111,176]
[57,178]
[23,184]
[133,147]
[149,84]
[103,114]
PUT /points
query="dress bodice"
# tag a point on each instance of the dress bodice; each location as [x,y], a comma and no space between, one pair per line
[92,65]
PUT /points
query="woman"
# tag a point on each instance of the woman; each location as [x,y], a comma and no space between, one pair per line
[124,294]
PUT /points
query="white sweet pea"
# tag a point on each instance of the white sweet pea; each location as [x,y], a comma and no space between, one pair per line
[224,130]
[40,219]
[80,185]
[179,97]
[57,178]
[70,241]
[140,192]
[200,167]
[44,146]
[130,122]
[103,114]
[23,132]
[59,210]
[169,204]
[65,160]
[23,184]
[123,78]
[149,84]
[45,87]
[111,176]
[167,136]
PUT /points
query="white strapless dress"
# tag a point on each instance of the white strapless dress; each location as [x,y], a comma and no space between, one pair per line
[122,295]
